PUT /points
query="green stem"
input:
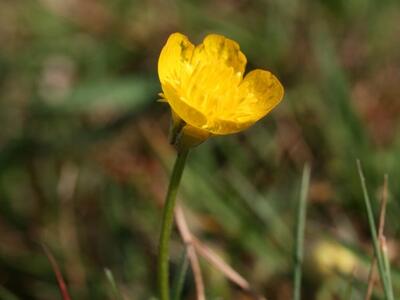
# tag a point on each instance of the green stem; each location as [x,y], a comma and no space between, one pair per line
[167,222]
[300,224]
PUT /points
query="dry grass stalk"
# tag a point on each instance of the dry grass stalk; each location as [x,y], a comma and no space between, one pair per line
[56,269]
[191,252]
[381,237]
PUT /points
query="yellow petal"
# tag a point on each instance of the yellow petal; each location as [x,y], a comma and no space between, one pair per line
[174,61]
[185,136]
[205,88]
[261,92]
[220,126]
[211,89]
[219,49]
[183,109]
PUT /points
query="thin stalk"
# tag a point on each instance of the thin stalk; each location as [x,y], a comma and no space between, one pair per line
[348,294]
[56,269]
[378,253]
[167,222]
[114,289]
[382,217]
[386,262]
[187,238]
[180,278]
[301,220]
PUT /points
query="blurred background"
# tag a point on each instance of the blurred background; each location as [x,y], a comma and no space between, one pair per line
[84,153]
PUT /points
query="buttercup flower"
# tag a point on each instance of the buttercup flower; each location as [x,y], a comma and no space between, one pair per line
[331,257]
[207,91]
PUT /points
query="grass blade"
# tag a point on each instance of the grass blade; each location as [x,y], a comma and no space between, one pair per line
[114,289]
[188,238]
[382,217]
[6,294]
[180,278]
[56,269]
[348,294]
[386,263]
[301,220]
[383,272]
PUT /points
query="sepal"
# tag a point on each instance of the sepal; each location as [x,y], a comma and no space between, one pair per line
[184,136]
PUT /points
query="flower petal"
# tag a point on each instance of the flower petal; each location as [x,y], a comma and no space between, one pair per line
[219,49]
[205,88]
[259,92]
[174,61]
[184,110]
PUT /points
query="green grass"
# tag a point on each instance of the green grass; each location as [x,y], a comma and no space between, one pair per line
[300,231]
[84,152]
[383,264]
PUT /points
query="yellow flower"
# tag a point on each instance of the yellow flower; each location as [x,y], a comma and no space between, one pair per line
[207,91]
[332,258]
